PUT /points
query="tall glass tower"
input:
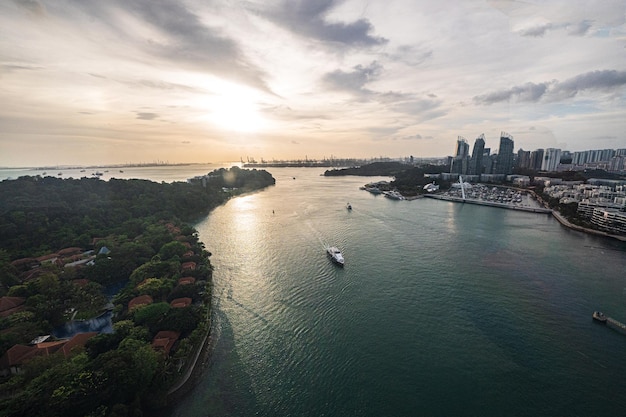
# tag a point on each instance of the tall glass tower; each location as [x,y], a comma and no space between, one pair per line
[505,154]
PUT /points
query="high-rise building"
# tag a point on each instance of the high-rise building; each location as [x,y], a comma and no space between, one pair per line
[536,159]
[551,159]
[476,163]
[462,147]
[523,159]
[460,162]
[505,154]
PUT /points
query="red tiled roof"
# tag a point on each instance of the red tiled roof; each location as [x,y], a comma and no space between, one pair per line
[188,266]
[164,340]
[70,251]
[139,301]
[10,305]
[181,302]
[16,355]
[78,340]
[48,348]
[23,261]
[47,257]
[186,280]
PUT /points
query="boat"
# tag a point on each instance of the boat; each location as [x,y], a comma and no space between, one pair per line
[335,255]
[349,206]
[394,195]
[599,316]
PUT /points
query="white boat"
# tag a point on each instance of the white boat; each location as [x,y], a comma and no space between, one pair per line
[349,206]
[394,195]
[335,255]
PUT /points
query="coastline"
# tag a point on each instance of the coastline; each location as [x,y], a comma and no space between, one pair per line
[558,216]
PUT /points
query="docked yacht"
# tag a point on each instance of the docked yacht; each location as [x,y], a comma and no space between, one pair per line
[335,255]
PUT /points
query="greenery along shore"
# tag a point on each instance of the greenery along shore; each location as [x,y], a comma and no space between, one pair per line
[64,245]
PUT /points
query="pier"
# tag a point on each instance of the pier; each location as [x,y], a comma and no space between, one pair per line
[490,203]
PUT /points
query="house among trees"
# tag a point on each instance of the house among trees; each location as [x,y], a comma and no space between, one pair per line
[188,266]
[14,358]
[164,341]
[10,305]
[186,280]
[181,302]
[139,301]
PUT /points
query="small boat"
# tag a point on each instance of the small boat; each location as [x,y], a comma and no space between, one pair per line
[349,206]
[599,316]
[394,195]
[335,255]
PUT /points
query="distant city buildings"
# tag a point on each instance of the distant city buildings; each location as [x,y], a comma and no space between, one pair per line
[496,166]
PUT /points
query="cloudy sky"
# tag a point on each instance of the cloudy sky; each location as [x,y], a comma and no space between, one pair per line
[116,81]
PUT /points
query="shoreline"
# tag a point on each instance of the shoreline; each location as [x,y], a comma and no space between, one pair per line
[558,216]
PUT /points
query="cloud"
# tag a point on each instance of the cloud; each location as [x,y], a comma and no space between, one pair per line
[537,30]
[147,115]
[172,31]
[581,28]
[309,18]
[355,80]
[604,80]
[32,6]
[526,92]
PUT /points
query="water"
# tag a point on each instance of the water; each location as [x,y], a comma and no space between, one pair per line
[441,309]
[160,173]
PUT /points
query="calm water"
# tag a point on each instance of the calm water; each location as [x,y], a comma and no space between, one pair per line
[442,309]
[154,173]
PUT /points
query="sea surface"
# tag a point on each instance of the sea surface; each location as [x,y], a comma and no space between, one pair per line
[157,173]
[442,309]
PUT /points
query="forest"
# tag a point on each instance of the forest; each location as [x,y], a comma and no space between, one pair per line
[78,249]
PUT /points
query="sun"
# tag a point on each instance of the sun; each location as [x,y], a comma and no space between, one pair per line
[235,108]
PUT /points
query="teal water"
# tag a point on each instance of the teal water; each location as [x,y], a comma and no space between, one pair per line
[442,309]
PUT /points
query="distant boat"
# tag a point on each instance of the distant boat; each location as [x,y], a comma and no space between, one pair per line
[98,174]
[60,173]
[373,190]
[121,170]
[349,206]
[335,255]
[599,316]
[394,195]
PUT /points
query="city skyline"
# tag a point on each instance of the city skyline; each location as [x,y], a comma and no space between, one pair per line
[88,82]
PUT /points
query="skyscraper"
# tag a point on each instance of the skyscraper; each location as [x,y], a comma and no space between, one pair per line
[476,163]
[505,154]
[551,159]
[460,162]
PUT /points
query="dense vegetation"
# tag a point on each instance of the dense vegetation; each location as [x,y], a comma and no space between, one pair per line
[39,215]
[147,247]
[408,179]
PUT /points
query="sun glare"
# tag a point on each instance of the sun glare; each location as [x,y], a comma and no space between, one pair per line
[236,108]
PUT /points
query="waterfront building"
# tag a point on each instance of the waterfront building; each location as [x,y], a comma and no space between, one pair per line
[505,155]
[608,220]
[460,162]
[476,163]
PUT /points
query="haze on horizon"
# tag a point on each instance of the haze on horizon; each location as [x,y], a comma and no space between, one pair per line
[108,82]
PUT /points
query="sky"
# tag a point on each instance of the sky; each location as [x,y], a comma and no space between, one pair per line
[137,81]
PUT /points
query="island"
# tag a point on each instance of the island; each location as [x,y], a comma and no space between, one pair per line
[105,291]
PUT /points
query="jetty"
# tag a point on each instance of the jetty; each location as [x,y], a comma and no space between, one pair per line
[490,203]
